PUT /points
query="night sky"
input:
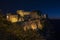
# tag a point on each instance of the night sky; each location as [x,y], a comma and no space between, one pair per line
[51,7]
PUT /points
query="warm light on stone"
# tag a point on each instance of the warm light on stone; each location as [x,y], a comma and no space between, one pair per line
[33,26]
[33,21]
[20,12]
[12,18]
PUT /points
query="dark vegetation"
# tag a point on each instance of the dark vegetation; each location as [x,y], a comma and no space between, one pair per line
[56,24]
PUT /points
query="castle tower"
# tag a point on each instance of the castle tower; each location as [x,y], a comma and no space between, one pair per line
[20,12]
[45,16]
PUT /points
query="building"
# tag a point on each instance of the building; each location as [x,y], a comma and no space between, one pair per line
[14,18]
[31,19]
[45,16]
[34,15]
[22,13]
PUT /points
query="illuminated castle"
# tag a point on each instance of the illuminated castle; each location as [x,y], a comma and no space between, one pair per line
[17,17]
[32,19]
[21,14]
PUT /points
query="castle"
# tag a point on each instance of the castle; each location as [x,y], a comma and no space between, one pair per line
[21,14]
[32,19]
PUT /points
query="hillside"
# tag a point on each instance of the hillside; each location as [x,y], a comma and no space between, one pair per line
[15,31]
[35,29]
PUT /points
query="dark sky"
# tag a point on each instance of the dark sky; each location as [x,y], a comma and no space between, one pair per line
[51,7]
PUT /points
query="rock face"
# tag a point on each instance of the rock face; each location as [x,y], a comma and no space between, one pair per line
[34,25]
